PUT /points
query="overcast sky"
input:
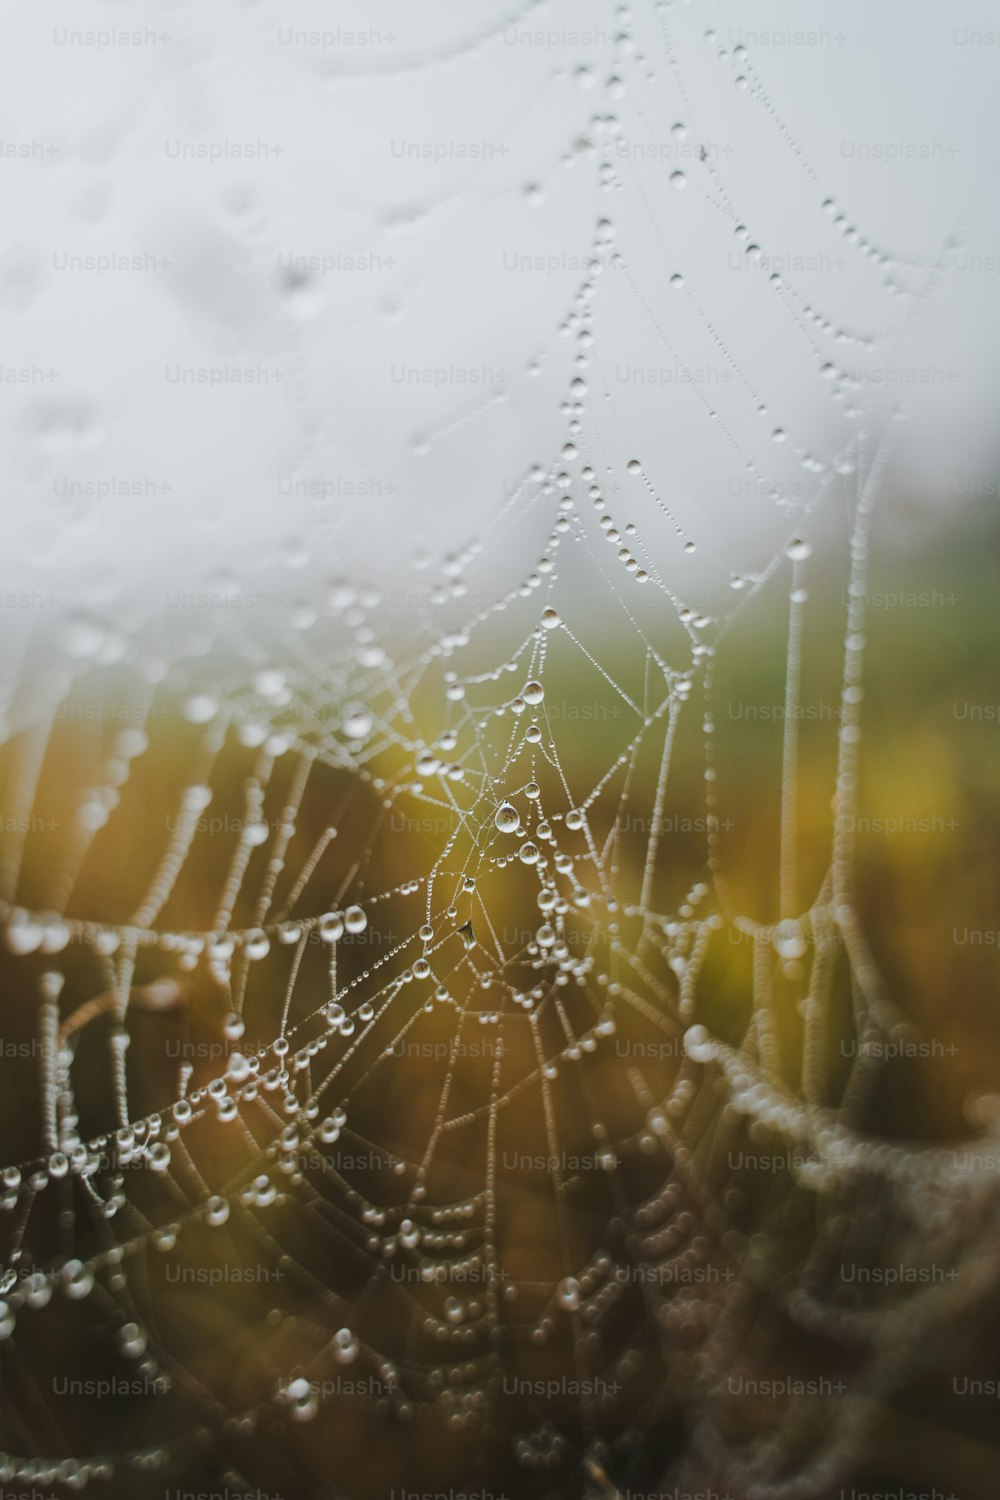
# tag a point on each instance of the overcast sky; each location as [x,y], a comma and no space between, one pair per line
[292,274]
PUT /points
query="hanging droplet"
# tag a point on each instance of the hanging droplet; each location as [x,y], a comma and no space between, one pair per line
[508,819]
[300,1399]
[237,1067]
[356,723]
[798,550]
[331,927]
[158,1156]
[256,944]
[131,1340]
[216,1211]
[22,933]
[77,1280]
[789,941]
[568,1292]
[345,1347]
[37,1289]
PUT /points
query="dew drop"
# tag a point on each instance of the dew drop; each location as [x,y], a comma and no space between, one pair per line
[568,1294]
[331,927]
[233,1026]
[789,941]
[356,723]
[508,819]
[345,1347]
[216,1211]
[256,944]
[300,1399]
[77,1280]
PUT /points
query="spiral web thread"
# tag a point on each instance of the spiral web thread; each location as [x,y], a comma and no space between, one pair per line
[441,742]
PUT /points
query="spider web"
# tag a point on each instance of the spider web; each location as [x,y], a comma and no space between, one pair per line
[392,979]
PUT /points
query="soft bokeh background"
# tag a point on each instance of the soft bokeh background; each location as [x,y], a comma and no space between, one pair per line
[423,196]
[341,359]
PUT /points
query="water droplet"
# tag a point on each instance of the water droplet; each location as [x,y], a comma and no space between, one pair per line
[678,180]
[216,1211]
[568,1293]
[237,1067]
[507,819]
[77,1280]
[331,927]
[301,1400]
[256,944]
[356,723]
[22,933]
[453,1310]
[345,1347]
[131,1340]
[789,941]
